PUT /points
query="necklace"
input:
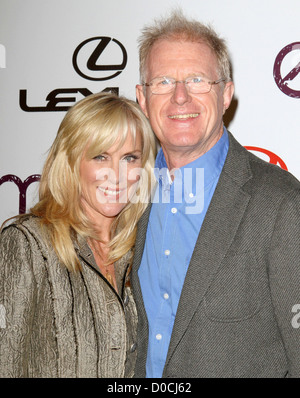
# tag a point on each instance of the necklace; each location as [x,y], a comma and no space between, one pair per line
[108,274]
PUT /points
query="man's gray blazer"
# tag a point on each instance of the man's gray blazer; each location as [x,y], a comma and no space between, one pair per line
[238,314]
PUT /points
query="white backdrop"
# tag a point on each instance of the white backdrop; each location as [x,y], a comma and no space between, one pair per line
[38,39]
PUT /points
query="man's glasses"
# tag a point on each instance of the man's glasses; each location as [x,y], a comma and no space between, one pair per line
[194,84]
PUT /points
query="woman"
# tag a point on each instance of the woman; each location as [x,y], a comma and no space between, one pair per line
[64,268]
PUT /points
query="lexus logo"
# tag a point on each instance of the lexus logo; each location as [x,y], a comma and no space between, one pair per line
[92,58]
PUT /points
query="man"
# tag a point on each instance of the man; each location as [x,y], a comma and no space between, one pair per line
[216,276]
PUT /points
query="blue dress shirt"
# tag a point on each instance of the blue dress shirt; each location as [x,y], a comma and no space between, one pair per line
[176,216]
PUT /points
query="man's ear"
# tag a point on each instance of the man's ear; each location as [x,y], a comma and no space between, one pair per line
[141,98]
[227,95]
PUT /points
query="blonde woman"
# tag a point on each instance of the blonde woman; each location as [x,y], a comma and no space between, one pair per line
[64,268]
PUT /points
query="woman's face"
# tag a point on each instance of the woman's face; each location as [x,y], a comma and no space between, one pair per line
[109,180]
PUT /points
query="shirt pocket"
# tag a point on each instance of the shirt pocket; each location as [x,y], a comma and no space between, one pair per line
[236,291]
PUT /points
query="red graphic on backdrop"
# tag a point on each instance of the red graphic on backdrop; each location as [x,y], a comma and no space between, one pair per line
[22,185]
[284,82]
[273,158]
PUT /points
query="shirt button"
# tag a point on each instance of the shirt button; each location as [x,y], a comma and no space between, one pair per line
[174,210]
[191,195]
[166,296]
[158,336]
[167,252]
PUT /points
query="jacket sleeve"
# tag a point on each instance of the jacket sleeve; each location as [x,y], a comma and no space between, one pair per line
[284,274]
[17,297]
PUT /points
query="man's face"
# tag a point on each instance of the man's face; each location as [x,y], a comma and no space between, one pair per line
[183,121]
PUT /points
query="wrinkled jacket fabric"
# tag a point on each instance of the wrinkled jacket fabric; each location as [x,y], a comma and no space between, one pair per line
[56,323]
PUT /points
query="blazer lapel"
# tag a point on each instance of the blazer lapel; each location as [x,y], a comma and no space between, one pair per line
[140,239]
[220,225]
[138,253]
[142,332]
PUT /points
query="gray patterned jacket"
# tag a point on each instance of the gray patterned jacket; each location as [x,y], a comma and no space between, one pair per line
[238,310]
[57,323]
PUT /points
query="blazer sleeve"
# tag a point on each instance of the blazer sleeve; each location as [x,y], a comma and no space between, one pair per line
[284,274]
[17,297]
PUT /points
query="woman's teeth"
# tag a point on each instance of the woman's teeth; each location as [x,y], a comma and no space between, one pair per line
[107,191]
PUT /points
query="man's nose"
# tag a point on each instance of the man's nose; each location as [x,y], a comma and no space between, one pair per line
[180,94]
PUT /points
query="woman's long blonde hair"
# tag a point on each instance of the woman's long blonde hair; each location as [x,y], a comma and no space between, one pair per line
[96,122]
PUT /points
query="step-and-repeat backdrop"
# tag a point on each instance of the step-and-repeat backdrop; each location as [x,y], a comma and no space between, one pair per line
[45,47]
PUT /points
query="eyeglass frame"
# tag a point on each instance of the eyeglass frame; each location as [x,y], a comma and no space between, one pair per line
[183,81]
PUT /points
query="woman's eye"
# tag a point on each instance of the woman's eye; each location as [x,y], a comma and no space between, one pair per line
[100,158]
[130,158]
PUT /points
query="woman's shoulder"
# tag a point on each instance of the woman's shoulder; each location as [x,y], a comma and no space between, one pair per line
[25,223]
[25,249]
[25,229]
